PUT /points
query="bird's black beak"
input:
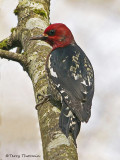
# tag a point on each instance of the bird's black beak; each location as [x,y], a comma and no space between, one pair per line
[40,37]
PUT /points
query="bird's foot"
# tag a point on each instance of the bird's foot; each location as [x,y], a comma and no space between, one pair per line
[45,98]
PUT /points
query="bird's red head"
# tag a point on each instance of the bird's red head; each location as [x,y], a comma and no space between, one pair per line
[57,35]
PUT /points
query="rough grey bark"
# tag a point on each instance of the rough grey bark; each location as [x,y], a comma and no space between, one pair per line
[33,18]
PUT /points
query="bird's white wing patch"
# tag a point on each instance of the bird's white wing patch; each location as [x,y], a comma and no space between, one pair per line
[53,73]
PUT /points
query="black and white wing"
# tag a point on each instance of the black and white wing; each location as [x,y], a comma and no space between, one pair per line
[72,73]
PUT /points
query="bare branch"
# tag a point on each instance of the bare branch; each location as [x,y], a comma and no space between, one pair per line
[14,57]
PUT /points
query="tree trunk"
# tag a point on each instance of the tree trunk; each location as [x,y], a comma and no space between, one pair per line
[33,18]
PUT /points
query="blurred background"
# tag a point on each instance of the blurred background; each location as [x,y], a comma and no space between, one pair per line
[96,28]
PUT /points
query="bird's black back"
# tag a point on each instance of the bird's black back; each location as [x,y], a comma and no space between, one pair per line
[72,73]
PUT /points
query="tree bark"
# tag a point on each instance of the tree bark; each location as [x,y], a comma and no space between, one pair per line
[33,18]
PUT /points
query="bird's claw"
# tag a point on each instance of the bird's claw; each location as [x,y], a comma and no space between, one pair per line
[45,98]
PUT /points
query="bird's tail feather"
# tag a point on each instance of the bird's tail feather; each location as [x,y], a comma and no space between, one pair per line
[69,123]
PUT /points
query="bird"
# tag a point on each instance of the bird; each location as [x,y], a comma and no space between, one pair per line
[72,74]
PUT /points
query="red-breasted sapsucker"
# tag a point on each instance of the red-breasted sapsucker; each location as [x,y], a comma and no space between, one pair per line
[72,74]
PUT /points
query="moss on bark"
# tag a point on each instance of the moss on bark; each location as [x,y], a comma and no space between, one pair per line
[41,12]
[3,44]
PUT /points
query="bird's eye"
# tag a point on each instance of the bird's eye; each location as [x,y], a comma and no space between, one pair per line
[51,32]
